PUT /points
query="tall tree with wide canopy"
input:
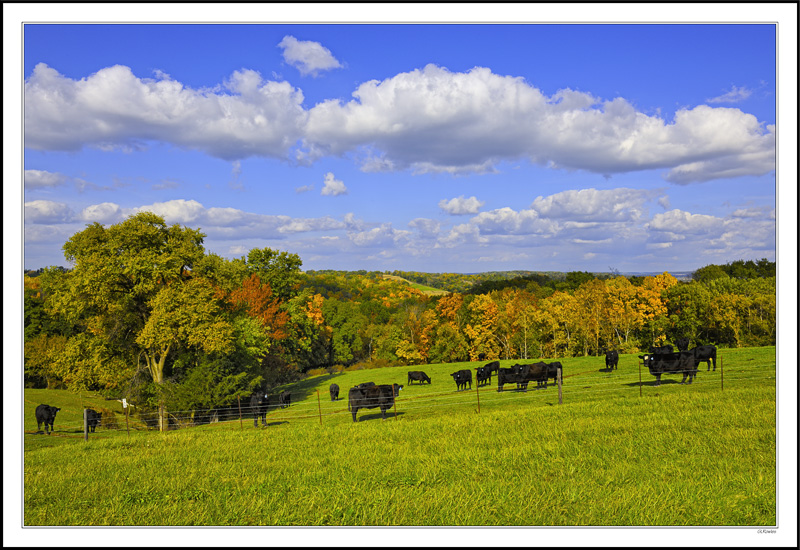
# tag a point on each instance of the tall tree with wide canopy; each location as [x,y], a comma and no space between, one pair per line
[134,283]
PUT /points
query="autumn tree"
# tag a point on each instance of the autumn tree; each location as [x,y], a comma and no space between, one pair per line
[133,281]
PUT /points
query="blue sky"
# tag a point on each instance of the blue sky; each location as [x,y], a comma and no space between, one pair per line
[434,147]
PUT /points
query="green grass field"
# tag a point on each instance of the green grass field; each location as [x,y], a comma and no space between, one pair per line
[678,455]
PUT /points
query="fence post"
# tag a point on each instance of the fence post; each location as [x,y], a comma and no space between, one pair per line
[640,377]
[239,401]
[558,372]
[478,393]
[85,425]
[319,407]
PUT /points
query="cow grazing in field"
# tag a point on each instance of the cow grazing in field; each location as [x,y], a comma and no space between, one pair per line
[682,344]
[661,349]
[707,354]
[93,419]
[612,359]
[462,378]
[489,368]
[397,388]
[521,375]
[334,389]
[259,405]
[418,376]
[483,376]
[536,372]
[45,414]
[371,397]
[671,363]
[284,399]
[552,371]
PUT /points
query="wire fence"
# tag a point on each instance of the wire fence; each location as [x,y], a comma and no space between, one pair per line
[574,387]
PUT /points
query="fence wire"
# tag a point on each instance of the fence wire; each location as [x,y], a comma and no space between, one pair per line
[577,385]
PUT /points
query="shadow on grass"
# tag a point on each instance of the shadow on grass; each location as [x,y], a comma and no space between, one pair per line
[652,383]
[377,416]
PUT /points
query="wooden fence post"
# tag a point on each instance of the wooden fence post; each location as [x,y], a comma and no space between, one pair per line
[640,377]
[558,372]
[319,406]
[239,401]
[85,425]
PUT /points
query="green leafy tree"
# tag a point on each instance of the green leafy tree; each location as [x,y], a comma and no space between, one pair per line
[134,282]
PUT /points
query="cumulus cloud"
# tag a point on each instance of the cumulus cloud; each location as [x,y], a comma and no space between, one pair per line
[48,212]
[593,205]
[333,186]
[428,120]
[307,56]
[460,206]
[734,95]
[434,120]
[103,213]
[113,108]
[42,179]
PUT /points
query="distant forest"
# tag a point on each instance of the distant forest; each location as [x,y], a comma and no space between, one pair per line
[147,313]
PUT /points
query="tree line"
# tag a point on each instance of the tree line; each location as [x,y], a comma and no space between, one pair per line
[146,313]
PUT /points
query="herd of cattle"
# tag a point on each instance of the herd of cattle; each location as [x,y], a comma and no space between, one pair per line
[660,360]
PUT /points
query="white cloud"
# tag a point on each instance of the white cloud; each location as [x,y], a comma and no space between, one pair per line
[679,221]
[112,108]
[734,95]
[47,212]
[303,189]
[434,120]
[307,56]
[460,206]
[103,213]
[178,211]
[333,186]
[427,228]
[429,120]
[593,205]
[39,179]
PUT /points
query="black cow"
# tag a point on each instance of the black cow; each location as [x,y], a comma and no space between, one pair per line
[661,349]
[536,372]
[397,388]
[462,378]
[552,371]
[521,375]
[489,368]
[671,363]
[483,376]
[419,376]
[334,389]
[682,344]
[93,419]
[284,398]
[259,405]
[707,354]
[372,396]
[612,359]
[45,414]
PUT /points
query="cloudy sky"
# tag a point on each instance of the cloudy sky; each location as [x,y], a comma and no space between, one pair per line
[435,147]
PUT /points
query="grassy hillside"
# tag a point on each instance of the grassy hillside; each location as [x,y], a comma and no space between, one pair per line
[678,455]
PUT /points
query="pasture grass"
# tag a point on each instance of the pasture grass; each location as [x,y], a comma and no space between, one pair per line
[679,455]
